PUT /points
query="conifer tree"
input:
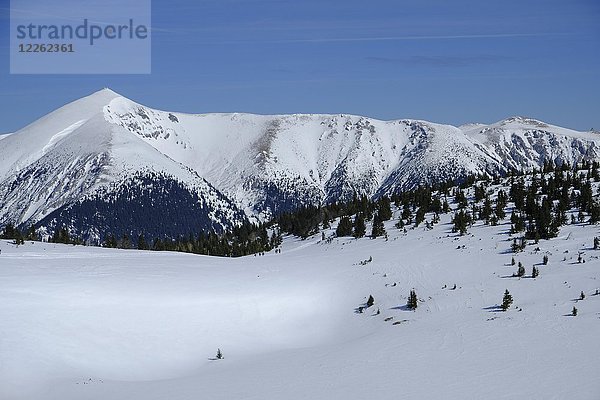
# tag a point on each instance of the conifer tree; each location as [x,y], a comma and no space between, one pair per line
[19,238]
[141,244]
[159,246]
[507,300]
[461,221]
[360,228]
[384,208]
[110,241]
[9,231]
[125,242]
[370,301]
[574,311]
[412,302]
[378,228]
[520,270]
[344,227]
[535,272]
[419,216]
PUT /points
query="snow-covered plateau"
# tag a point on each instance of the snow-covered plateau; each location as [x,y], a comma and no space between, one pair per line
[92,323]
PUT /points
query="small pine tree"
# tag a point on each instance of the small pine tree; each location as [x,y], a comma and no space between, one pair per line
[412,302]
[344,227]
[125,242]
[378,228]
[574,311]
[545,260]
[219,354]
[385,211]
[521,270]
[141,244]
[370,301]
[535,272]
[512,261]
[507,300]
[582,295]
[19,238]
[111,241]
[359,226]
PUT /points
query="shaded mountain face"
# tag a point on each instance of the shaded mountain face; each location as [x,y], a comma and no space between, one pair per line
[151,204]
[234,167]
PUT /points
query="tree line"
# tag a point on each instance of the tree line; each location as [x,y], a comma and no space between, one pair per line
[541,199]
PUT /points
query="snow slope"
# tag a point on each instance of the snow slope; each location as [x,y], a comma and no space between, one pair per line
[262,164]
[93,323]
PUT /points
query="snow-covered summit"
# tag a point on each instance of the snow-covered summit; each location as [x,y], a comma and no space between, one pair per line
[74,153]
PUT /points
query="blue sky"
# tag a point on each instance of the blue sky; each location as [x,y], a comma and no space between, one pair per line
[444,61]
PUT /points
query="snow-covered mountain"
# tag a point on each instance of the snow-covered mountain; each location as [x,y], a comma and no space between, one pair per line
[259,164]
[73,155]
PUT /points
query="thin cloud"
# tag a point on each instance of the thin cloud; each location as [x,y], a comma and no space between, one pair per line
[441,61]
[389,38]
[433,37]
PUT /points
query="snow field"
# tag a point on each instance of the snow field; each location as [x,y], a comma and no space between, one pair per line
[89,323]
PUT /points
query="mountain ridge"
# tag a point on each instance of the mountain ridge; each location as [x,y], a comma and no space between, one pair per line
[260,164]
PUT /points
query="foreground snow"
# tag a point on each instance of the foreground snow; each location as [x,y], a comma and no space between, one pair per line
[91,323]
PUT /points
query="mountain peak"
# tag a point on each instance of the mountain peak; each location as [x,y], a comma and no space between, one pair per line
[105,93]
[522,120]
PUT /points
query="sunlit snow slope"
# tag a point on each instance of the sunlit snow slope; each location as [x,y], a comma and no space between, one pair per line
[92,323]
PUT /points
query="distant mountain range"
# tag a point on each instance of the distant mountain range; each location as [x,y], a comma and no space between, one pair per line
[107,164]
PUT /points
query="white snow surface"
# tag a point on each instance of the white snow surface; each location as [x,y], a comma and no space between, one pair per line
[258,160]
[91,323]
